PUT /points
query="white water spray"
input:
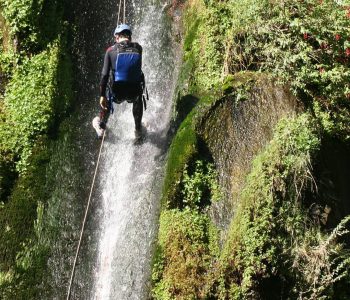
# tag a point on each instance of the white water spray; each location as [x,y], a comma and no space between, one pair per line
[129,183]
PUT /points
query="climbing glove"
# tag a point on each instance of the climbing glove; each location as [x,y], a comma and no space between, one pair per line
[103,102]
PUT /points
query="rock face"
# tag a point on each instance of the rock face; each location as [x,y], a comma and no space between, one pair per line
[235,131]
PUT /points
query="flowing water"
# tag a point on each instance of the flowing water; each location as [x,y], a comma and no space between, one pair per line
[131,175]
[115,259]
[115,256]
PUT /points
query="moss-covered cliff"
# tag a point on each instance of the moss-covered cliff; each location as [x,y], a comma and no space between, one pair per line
[35,96]
[262,98]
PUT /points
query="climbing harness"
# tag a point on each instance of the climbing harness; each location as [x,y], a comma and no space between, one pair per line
[84,221]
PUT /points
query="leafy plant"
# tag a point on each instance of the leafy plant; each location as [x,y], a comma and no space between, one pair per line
[33,24]
[201,187]
[321,261]
[35,92]
[304,44]
[29,105]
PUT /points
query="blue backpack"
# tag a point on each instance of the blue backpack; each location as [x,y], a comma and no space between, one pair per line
[128,65]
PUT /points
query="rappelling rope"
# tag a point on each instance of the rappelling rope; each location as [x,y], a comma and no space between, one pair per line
[119,10]
[84,221]
[93,181]
[124,21]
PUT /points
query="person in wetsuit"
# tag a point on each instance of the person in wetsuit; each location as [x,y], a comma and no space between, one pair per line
[123,60]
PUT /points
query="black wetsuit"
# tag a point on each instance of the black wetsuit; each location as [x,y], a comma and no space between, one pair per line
[122,90]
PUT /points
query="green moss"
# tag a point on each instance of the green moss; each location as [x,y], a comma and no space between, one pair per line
[273,249]
[182,149]
[185,147]
[187,243]
[192,21]
[271,220]
[38,95]
[18,215]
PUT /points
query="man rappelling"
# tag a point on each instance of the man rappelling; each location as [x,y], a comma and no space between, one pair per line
[121,79]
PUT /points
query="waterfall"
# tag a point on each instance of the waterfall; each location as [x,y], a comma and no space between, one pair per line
[122,225]
[114,261]
[130,174]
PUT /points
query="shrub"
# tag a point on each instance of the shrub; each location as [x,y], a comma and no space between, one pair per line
[33,24]
[302,43]
[29,105]
[201,187]
[305,44]
[321,262]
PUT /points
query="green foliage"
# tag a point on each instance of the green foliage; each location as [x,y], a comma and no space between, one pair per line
[29,105]
[36,99]
[201,187]
[7,64]
[35,93]
[24,276]
[204,43]
[187,243]
[19,213]
[274,250]
[270,212]
[271,219]
[32,23]
[305,44]
[24,252]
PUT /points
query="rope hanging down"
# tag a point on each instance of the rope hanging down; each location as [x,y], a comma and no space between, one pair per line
[84,221]
[119,10]
[93,181]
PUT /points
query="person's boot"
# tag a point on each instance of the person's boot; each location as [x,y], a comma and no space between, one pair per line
[138,132]
[99,126]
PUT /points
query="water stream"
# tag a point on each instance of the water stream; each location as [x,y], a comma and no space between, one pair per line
[131,174]
[117,247]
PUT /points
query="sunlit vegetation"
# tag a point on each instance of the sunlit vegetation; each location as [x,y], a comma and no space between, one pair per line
[35,72]
[277,246]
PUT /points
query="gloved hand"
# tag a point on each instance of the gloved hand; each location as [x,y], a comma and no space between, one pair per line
[103,102]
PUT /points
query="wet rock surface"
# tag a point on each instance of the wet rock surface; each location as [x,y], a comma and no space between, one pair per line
[236,131]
